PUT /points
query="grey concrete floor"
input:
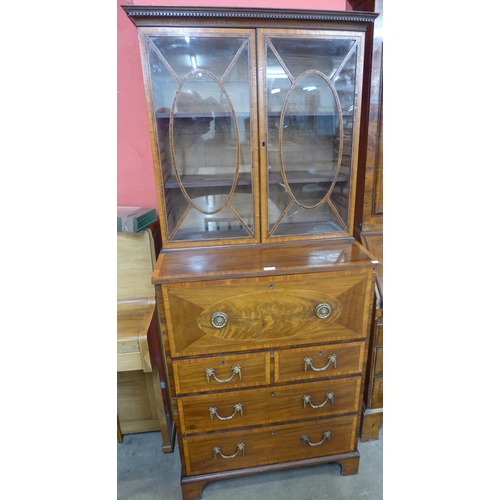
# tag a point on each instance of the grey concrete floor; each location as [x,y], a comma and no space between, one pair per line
[146,473]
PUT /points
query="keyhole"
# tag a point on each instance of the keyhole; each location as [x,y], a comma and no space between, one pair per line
[271,287]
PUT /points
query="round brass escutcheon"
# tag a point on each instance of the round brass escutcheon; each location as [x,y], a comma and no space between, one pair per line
[323,310]
[219,319]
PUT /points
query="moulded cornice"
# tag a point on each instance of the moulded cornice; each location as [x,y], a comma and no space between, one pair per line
[147,12]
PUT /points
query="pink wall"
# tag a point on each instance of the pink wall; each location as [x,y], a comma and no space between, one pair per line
[135,175]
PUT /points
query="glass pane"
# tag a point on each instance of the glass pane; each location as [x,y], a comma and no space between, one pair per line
[302,54]
[307,146]
[345,85]
[188,53]
[202,103]
[310,139]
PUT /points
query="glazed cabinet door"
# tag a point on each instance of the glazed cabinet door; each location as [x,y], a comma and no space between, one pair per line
[201,89]
[308,123]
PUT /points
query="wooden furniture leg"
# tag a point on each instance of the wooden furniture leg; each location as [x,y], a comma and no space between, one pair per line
[349,466]
[192,490]
[119,431]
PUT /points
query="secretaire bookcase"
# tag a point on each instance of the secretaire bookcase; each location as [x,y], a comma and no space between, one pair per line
[265,294]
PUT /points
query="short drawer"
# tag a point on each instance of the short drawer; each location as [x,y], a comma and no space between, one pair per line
[328,360]
[221,372]
[232,409]
[231,450]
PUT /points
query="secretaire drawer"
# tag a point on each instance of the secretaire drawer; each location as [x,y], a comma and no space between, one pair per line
[307,363]
[221,372]
[232,409]
[210,318]
[217,452]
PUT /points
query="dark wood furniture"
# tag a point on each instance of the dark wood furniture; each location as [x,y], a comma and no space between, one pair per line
[368,227]
[265,295]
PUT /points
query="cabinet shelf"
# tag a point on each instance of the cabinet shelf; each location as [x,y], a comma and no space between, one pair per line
[299,177]
[203,181]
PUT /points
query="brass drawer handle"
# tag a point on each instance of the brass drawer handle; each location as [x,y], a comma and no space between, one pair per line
[305,439]
[219,319]
[239,447]
[238,407]
[331,359]
[307,401]
[211,373]
[323,310]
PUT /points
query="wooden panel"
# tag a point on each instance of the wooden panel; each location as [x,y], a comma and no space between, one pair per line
[374,244]
[266,406]
[190,374]
[127,330]
[135,299]
[371,190]
[269,445]
[135,263]
[379,362]
[133,321]
[140,405]
[260,260]
[378,391]
[134,408]
[371,421]
[380,335]
[270,314]
[289,364]
[128,362]
[264,314]
[378,202]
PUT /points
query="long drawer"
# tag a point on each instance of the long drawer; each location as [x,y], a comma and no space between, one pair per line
[217,452]
[232,409]
[222,372]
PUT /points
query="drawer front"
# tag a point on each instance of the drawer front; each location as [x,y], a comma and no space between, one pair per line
[221,372]
[209,318]
[328,360]
[232,450]
[232,409]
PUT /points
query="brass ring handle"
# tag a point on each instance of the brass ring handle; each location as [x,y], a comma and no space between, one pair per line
[305,439]
[238,407]
[323,310]
[307,401]
[210,372]
[332,359]
[219,319]
[239,447]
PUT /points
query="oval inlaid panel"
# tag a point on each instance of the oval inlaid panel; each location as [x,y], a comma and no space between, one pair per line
[269,315]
